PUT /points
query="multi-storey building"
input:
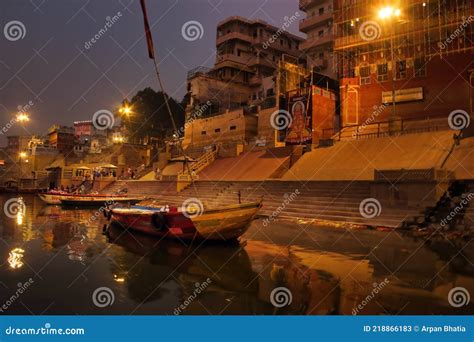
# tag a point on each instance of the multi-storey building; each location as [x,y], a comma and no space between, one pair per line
[61,138]
[242,79]
[420,51]
[318,26]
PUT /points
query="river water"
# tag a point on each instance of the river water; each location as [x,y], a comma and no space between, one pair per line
[57,261]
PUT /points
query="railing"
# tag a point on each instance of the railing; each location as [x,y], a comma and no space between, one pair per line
[412,175]
[386,128]
[190,173]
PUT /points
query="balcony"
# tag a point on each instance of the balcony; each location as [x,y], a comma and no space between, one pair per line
[229,57]
[234,35]
[262,61]
[255,80]
[310,23]
[305,4]
[318,41]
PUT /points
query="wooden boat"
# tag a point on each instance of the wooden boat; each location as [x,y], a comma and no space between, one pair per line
[52,197]
[225,224]
[91,200]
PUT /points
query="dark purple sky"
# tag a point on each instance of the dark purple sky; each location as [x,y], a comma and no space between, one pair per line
[65,81]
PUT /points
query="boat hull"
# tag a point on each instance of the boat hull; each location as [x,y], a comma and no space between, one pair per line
[218,225]
[97,201]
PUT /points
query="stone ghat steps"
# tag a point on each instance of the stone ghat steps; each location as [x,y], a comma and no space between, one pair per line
[337,201]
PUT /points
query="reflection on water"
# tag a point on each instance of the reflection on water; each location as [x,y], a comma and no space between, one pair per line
[327,271]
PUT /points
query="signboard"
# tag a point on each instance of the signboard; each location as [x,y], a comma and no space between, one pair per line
[300,109]
[403,95]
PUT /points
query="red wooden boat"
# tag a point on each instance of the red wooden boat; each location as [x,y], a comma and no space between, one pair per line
[225,224]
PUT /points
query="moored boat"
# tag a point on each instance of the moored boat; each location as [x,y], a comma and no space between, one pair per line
[52,197]
[224,224]
[91,200]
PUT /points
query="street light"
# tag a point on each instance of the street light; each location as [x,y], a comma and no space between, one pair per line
[22,117]
[127,110]
[390,13]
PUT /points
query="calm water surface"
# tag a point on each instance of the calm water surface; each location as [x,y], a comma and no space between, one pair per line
[326,270]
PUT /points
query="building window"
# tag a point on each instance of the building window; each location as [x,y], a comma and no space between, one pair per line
[217,130]
[321,33]
[233,128]
[364,72]
[382,72]
[203,133]
[321,11]
[401,70]
[420,67]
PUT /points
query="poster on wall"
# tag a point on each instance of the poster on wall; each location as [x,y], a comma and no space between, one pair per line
[299,107]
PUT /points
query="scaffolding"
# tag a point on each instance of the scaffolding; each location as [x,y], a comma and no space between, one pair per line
[425,29]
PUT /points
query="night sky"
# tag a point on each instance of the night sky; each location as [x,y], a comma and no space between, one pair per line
[51,67]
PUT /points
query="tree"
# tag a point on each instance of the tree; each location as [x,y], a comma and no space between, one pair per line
[149,116]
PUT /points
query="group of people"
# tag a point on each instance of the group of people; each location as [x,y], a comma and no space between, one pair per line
[129,173]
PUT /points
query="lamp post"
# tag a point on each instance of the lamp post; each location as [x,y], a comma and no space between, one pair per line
[390,14]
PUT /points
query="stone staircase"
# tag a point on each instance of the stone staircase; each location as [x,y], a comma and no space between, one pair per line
[337,201]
